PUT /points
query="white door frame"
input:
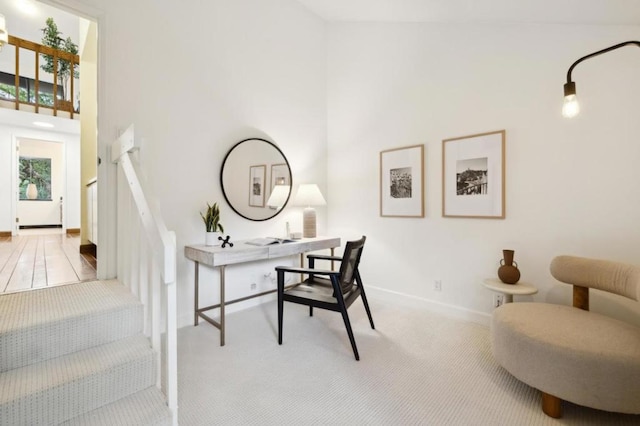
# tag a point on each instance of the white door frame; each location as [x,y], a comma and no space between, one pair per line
[15,142]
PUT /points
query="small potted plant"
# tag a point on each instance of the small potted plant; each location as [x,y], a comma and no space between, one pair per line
[212,223]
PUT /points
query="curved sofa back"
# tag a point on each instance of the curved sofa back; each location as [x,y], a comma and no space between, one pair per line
[614,277]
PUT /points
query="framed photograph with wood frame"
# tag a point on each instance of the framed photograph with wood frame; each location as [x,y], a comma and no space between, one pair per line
[279,175]
[402,182]
[257,177]
[473,176]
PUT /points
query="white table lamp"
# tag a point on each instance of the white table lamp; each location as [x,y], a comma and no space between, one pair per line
[309,195]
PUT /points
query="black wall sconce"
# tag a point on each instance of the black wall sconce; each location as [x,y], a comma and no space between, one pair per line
[570,108]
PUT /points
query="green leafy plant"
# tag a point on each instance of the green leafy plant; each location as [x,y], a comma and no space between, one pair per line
[51,37]
[211,218]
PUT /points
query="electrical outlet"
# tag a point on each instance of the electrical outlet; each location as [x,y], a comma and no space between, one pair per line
[437,285]
[498,300]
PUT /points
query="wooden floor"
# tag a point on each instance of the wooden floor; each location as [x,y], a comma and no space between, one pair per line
[42,258]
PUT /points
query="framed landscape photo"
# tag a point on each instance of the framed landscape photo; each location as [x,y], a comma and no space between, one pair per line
[402,182]
[257,177]
[473,176]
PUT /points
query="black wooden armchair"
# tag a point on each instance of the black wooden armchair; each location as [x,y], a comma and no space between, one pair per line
[324,289]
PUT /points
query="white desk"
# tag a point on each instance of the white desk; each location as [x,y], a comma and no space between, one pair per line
[509,290]
[241,252]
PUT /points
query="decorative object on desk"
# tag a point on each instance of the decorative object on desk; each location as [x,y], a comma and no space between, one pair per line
[212,223]
[309,195]
[226,241]
[508,271]
[402,182]
[279,196]
[473,171]
[267,241]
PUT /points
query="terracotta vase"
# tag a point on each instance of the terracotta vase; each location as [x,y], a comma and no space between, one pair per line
[508,271]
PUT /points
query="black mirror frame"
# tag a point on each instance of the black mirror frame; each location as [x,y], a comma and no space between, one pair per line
[222,182]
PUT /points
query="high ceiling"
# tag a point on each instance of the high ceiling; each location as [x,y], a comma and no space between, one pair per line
[493,11]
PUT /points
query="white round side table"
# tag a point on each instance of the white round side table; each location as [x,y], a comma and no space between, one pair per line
[509,290]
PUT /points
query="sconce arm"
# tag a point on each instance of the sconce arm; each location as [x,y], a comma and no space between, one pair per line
[599,52]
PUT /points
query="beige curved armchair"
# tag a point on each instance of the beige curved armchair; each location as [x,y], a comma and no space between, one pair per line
[570,353]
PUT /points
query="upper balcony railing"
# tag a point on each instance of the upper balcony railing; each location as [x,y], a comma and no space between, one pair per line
[42,94]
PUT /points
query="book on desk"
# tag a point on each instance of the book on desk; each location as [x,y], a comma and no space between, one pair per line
[267,241]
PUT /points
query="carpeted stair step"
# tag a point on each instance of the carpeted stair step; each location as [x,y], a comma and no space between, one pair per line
[147,407]
[45,324]
[57,390]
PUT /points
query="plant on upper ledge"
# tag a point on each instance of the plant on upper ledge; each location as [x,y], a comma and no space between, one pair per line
[51,37]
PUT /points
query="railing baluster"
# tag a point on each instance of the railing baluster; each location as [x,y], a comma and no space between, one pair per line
[17,78]
[121,217]
[37,78]
[156,318]
[143,280]
[134,255]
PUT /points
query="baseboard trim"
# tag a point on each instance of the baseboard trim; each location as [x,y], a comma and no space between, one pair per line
[39,226]
[448,310]
[89,249]
[73,231]
[451,311]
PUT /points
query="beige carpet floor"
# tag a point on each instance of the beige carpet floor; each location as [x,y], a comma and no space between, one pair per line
[416,368]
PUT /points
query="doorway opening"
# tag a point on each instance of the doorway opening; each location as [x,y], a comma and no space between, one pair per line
[69,212]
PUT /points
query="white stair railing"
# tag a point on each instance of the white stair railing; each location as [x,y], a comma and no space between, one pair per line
[147,264]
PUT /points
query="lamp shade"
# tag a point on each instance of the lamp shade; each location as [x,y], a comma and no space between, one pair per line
[279,196]
[309,195]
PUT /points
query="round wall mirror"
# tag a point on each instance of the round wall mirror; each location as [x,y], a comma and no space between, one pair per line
[256,179]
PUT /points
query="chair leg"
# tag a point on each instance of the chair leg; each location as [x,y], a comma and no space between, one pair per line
[310,310]
[366,306]
[551,405]
[280,304]
[347,324]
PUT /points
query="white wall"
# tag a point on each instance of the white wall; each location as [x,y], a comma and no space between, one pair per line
[570,184]
[12,127]
[216,73]
[225,71]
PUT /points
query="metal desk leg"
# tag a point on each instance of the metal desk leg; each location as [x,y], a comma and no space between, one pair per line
[195,303]
[302,266]
[333,249]
[221,305]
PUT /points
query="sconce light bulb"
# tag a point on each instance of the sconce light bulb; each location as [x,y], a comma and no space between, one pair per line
[570,108]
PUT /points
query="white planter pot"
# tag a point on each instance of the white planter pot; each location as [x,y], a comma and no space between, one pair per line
[211,239]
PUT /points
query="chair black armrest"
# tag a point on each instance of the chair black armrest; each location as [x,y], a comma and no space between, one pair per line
[323,257]
[306,270]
